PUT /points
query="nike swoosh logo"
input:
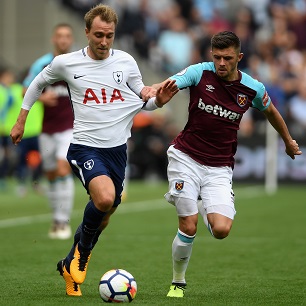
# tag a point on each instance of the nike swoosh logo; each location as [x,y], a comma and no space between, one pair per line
[76,76]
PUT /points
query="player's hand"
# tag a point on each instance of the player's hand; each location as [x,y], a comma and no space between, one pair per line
[292,149]
[166,92]
[49,98]
[17,133]
[147,92]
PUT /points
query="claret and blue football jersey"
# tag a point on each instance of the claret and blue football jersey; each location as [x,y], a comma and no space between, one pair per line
[215,111]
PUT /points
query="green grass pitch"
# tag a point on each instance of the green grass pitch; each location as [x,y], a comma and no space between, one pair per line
[262,262]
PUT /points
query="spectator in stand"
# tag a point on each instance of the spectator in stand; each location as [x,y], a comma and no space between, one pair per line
[6,101]
[151,135]
[27,155]
[297,110]
[175,46]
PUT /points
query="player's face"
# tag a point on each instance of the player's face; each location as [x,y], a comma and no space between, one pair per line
[100,38]
[62,40]
[226,62]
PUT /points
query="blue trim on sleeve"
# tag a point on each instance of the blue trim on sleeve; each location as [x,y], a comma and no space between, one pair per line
[191,76]
[261,94]
[37,67]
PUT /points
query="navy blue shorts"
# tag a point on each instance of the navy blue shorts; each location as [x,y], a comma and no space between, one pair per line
[89,162]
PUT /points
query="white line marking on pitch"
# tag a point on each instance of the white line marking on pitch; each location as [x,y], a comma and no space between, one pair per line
[125,208]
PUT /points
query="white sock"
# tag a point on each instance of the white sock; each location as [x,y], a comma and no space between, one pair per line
[203,213]
[52,196]
[181,252]
[61,197]
[65,199]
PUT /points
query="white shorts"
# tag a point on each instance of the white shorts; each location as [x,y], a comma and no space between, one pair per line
[190,180]
[54,147]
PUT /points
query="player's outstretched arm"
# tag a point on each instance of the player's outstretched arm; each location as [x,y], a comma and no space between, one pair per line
[18,129]
[147,92]
[165,92]
[158,85]
[33,92]
[277,121]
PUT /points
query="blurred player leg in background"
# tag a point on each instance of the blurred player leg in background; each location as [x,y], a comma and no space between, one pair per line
[29,165]
[60,190]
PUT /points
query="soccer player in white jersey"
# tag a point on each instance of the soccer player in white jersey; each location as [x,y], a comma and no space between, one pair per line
[106,88]
[201,157]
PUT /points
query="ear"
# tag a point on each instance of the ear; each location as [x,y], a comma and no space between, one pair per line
[240,56]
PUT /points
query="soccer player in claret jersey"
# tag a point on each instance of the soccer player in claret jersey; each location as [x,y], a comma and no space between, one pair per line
[105,87]
[56,135]
[201,157]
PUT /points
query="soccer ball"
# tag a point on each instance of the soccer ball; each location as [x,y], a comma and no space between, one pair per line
[118,286]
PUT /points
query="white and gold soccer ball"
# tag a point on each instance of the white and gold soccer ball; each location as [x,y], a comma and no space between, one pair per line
[117,286]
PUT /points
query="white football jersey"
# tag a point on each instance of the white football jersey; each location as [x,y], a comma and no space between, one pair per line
[104,95]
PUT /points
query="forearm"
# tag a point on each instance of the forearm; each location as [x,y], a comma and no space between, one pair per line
[158,85]
[277,121]
[22,117]
[33,92]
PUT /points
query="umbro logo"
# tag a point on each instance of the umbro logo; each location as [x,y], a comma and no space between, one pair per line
[210,88]
[77,76]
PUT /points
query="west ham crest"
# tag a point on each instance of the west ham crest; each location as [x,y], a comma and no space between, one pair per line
[242,100]
[179,185]
[118,76]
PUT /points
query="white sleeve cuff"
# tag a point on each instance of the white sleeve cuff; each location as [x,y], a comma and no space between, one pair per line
[150,105]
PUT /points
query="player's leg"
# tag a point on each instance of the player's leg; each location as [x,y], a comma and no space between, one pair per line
[60,189]
[64,185]
[104,184]
[63,266]
[183,192]
[216,205]
[77,234]
[36,165]
[182,244]
[22,168]
[96,209]
[47,148]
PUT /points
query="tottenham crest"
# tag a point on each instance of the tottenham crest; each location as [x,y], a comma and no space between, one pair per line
[118,76]
[179,185]
[88,165]
[242,100]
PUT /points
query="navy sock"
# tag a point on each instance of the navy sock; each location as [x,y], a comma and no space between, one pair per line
[77,237]
[91,221]
[87,238]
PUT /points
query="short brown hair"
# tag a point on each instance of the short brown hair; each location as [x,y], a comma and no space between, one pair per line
[105,12]
[225,39]
[62,25]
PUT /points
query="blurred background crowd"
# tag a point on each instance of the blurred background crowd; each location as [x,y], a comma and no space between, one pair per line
[169,35]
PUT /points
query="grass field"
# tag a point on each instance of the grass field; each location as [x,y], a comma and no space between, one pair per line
[262,262]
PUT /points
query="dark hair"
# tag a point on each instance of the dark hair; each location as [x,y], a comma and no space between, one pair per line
[4,69]
[62,25]
[105,12]
[225,39]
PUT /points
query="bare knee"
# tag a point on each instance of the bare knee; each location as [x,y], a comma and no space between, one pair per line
[102,192]
[220,225]
[221,231]
[104,203]
[188,225]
